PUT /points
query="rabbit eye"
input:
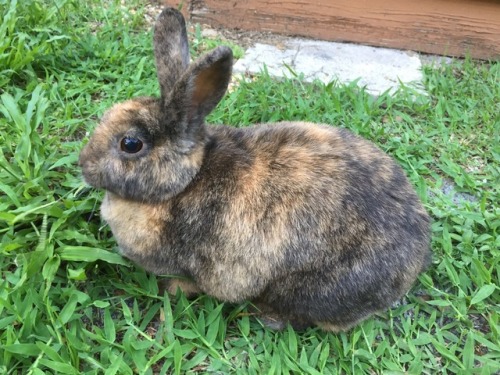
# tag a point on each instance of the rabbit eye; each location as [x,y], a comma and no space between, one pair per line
[131,145]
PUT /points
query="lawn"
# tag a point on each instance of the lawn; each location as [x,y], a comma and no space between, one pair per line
[69,304]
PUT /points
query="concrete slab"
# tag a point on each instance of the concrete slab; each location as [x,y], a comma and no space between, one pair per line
[378,69]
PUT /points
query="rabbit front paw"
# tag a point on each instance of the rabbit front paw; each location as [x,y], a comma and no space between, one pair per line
[188,287]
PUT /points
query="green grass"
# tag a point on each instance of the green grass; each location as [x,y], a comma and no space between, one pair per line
[70,305]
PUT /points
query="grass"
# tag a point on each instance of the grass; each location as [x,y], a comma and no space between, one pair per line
[70,305]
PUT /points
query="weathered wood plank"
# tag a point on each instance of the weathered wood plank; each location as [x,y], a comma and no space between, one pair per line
[446,27]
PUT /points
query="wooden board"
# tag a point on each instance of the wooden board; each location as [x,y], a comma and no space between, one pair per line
[444,27]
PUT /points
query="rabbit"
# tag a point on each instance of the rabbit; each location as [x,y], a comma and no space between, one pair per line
[312,224]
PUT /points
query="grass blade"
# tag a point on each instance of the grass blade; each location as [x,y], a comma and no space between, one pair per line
[90,254]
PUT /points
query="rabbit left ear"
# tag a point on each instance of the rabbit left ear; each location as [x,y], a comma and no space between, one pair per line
[171,48]
[209,79]
[201,88]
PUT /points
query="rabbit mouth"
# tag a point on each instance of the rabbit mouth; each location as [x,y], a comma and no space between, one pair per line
[91,177]
[91,171]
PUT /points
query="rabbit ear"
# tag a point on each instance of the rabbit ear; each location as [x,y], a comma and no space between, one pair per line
[171,48]
[201,88]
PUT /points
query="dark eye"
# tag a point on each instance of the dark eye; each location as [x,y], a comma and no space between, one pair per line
[131,145]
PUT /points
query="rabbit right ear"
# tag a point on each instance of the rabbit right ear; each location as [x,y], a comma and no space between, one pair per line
[171,48]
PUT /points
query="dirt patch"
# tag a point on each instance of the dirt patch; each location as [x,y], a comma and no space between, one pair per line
[151,11]
[242,38]
[245,38]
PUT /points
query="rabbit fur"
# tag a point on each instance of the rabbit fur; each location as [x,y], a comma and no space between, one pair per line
[311,223]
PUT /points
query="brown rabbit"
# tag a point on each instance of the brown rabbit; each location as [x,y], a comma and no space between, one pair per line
[310,222]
